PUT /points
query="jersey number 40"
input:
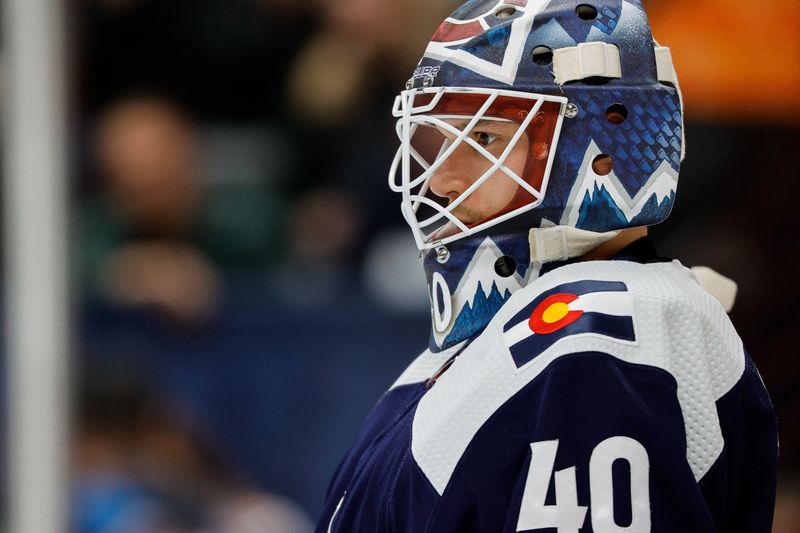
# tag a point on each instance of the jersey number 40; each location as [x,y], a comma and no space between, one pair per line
[566,515]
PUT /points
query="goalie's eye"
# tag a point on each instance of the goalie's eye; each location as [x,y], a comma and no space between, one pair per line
[483,138]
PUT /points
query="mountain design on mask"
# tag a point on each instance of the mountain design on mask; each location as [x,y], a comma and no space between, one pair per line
[593,194]
[479,295]
[603,200]
[474,316]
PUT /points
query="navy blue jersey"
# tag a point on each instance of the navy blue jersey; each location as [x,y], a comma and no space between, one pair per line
[606,396]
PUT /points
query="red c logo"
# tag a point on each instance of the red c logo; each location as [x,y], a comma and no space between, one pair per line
[553,314]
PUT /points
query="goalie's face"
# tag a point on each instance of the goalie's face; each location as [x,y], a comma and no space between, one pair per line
[466,165]
[470,159]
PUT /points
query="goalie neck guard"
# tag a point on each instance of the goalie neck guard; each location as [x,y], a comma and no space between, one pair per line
[523,115]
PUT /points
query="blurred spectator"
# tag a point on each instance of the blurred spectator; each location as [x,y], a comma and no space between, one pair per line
[139,468]
[324,226]
[155,233]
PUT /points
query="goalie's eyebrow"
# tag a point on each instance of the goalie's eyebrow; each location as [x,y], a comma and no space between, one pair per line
[482,124]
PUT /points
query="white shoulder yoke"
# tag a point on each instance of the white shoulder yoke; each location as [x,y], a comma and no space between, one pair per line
[676,326]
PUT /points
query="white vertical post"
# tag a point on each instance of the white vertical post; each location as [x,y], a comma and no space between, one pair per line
[36,236]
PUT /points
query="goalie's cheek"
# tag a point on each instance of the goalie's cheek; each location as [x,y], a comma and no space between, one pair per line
[494,195]
[457,173]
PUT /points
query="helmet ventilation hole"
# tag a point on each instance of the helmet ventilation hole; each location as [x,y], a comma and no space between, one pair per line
[505,266]
[616,114]
[542,55]
[505,12]
[586,12]
[602,165]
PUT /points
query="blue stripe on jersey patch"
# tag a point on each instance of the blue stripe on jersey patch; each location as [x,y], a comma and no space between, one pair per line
[617,327]
[577,288]
[614,326]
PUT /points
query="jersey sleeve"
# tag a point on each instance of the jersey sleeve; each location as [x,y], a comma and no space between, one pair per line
[740,487]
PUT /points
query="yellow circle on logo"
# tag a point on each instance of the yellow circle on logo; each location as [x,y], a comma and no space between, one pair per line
[555,312]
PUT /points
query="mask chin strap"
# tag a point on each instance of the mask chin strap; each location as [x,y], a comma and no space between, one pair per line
[560,243]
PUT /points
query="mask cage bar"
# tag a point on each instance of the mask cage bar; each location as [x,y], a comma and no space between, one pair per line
[426,186]
[403,128]
[497,164]
[460,137]
[407,125]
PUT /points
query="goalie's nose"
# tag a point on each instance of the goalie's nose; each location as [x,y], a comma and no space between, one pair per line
[450,179]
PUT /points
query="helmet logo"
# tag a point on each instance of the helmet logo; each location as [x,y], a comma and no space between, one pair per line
[456,31]
[425,73]
[442,306]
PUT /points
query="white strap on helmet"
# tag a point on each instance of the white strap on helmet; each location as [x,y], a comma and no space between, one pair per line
[587,60]
[664,66]
[666,74]
[560,243]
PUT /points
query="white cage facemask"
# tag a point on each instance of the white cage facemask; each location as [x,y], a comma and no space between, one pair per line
[471,158]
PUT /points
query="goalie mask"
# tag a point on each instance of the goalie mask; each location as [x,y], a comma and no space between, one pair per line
[531,131]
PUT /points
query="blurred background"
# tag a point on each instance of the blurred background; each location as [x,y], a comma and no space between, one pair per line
[245,288]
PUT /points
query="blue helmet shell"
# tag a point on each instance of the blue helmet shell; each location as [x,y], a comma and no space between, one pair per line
[490,44]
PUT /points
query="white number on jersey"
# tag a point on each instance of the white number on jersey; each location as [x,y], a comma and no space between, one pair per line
[566,515]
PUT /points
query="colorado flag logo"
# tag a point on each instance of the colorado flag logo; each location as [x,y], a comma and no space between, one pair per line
[596,307]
